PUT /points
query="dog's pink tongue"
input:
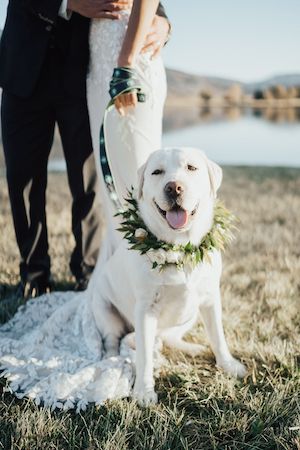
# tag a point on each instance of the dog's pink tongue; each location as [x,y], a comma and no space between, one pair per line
[177,218]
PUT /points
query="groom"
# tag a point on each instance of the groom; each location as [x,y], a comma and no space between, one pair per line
[44,57]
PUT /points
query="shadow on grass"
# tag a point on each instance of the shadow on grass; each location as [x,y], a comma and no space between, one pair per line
[199,408]
[10,301]
[11,298]
[260,412]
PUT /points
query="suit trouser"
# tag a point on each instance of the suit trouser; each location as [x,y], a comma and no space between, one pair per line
[27,131]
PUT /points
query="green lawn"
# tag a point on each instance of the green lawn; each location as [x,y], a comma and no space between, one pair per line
[199,406]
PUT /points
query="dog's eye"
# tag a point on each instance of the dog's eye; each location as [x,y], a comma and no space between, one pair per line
[192,168]
[157,172]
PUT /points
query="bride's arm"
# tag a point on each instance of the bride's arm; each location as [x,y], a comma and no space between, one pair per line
[140,21]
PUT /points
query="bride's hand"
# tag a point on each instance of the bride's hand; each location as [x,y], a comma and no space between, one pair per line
[157,36]
[125,101]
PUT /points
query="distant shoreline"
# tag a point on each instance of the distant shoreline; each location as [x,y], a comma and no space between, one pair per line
[218,102]
[56,168]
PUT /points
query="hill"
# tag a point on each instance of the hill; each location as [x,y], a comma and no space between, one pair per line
[182,83]
[185,84]
[287,80]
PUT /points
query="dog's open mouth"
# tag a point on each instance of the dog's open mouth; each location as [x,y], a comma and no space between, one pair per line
[177,217]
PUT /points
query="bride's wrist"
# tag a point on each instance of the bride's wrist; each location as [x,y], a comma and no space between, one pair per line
[126,62]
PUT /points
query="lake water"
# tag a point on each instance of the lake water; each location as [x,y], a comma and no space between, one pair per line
[249,140]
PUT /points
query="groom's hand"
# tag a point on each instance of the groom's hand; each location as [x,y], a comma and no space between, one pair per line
[157,36]
[97,9]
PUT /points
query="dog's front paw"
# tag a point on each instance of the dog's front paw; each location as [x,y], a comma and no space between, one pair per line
[233,367]
[145,397]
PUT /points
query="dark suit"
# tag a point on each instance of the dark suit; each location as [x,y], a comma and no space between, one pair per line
[43,65]
[31,27]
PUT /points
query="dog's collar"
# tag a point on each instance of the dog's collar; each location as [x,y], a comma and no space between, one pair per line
[163,254]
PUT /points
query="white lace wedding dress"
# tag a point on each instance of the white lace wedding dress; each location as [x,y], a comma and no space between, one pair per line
[51,350]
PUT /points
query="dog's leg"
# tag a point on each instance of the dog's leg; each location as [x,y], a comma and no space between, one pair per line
[173,338]
[129,340]
[145,331]
[189,348]
[111,326]
[212,318]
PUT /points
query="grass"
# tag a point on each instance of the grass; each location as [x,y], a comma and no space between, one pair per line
[199,406]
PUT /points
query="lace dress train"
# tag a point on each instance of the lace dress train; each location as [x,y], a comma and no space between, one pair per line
[51,350]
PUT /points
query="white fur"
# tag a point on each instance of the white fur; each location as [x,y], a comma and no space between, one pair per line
[130,295]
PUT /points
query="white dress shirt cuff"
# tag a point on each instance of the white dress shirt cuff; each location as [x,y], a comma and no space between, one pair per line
[63,11]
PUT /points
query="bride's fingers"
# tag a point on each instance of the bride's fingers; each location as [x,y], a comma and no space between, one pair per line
[125,101]
[157,36]
[157,50]
[128,99]
[119,106]
[150,40]
[131,99]
[153,46]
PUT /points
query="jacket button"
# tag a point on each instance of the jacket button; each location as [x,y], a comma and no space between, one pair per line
[48,28]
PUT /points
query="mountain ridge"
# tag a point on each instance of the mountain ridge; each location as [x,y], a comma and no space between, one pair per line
[184,83]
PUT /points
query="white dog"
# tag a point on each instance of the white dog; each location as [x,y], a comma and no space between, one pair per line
[176,196]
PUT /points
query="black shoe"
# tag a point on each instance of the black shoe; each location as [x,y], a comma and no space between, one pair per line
[35,288]
[81,284]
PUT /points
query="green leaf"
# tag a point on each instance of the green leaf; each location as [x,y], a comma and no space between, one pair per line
[219,235]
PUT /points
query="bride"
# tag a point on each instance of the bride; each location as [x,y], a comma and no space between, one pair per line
[51,350]
[133,130]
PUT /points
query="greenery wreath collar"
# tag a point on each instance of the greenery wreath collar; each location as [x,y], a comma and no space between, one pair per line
[163,254]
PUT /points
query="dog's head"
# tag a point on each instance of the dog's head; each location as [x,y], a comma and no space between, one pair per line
[176,193]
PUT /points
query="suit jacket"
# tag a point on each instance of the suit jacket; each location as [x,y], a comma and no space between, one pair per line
[31,27]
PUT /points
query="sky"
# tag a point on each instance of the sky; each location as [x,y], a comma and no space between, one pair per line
[244,40]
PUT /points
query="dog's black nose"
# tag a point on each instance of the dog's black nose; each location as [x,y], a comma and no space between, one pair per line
[173,189]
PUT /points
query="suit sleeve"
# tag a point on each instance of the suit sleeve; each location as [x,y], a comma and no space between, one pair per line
[46,10]
[63,10]
[161,11]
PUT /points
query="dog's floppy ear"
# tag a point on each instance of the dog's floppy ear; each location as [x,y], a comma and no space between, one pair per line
[141,175]
[215,176]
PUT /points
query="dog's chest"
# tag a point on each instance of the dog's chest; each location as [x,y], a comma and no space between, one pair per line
[179,294]
[174,304]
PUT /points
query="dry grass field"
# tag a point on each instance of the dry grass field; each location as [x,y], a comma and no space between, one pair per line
[199,406]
